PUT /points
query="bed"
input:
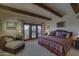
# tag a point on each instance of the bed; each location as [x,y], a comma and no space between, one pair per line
[56,44]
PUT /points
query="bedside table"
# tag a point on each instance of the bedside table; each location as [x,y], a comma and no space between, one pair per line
[75,39]
[76,44]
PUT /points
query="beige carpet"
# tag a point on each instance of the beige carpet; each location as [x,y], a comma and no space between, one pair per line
[32,48]
[73,52]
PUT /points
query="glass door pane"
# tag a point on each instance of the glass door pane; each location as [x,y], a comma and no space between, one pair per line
[26,31]
[33,31]
[39,31]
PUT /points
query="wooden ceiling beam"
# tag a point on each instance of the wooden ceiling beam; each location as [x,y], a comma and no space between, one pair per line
[23,12]
[42,5]
[75,7]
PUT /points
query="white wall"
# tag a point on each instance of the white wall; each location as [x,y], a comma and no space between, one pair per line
[72,23]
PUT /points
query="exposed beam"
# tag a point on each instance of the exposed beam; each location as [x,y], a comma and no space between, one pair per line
[23,12]
[42,5]
[75,7]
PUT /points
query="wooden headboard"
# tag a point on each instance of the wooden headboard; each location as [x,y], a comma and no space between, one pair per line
[65,31]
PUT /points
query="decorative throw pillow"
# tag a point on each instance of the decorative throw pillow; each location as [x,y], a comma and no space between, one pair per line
[52,33]
[57,34]
[60,34]
[45,34]
[8,39]
[67,35]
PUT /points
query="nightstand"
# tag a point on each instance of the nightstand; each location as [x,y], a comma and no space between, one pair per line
[76,44]
[75,39]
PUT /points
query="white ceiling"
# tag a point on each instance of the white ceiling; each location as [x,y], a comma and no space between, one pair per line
[63,8]
[31,8]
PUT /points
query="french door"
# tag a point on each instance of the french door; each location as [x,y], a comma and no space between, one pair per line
[26,31]
[32,31]
[39,31]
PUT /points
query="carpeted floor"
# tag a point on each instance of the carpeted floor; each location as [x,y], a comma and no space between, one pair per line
[32,48]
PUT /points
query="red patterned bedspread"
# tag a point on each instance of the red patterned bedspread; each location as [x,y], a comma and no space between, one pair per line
[60,46]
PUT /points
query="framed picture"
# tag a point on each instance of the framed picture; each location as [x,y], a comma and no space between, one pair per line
[11,25]
[61,24]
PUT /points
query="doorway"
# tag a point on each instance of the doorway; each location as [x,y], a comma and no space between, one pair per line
[32,31]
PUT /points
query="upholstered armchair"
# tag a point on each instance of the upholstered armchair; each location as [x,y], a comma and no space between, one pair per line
[10,44]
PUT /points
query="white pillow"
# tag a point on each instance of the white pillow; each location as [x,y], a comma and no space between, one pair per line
[8,39]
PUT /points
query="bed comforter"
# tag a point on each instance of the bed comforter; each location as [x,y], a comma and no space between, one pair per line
[57,45]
